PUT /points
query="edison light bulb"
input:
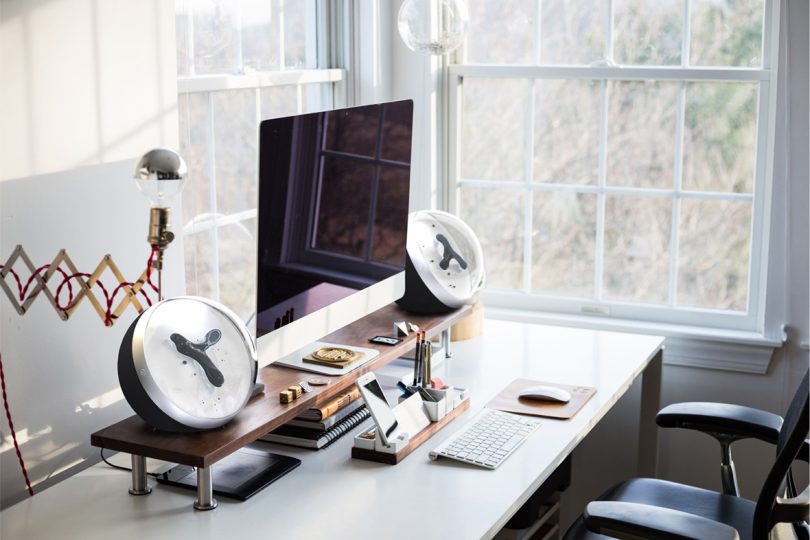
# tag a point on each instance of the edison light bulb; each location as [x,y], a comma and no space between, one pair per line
[433,26]
[160,175]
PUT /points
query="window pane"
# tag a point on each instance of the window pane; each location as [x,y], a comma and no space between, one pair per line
[343,205]
[510,41]
[497,217]
[215,37]
[353,131]
[193,132]
[391,213]
[648,32]
[493,130]
[182,14]
[294,34]
[726,33]
[720,137]
[198,262]
[566,131]
[236,152]
[637,242]
[573,31]
[260,35]
[641,134]
[564,243]
[713,254]
[279,101]
[237,267]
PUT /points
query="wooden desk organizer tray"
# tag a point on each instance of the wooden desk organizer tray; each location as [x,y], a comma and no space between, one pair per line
[453,402]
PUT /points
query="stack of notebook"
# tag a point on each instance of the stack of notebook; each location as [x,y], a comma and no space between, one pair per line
[321,426]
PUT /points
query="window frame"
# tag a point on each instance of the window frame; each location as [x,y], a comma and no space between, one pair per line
[751,320]
[323,46]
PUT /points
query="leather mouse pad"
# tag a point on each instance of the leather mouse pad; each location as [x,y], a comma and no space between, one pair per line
[507,400]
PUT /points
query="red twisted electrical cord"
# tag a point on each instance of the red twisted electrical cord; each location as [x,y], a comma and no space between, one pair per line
[11,427]
[109,299]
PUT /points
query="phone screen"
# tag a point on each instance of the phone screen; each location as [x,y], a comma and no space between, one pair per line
[387,425]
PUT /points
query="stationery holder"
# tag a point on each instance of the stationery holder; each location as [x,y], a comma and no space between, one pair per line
[369,447]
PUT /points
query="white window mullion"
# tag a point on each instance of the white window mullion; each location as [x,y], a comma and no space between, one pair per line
[766,136]
[609,33]
[608,190]
[528,168]
[677,184]
[686,35]
[212,199]
[455,100]
[214,83]
[599,266]
[621,73]
[538,31]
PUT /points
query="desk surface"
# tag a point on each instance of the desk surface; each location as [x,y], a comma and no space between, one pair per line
[333,496]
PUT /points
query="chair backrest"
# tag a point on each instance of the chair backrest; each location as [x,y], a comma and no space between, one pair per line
[791,438]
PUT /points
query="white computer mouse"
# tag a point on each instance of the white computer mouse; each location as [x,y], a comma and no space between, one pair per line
[546,393]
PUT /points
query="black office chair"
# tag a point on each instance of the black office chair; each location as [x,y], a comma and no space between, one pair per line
[658,509]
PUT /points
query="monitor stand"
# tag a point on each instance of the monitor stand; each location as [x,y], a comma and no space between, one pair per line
[238,476]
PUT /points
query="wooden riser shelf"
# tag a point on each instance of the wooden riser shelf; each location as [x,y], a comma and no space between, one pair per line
[264,413]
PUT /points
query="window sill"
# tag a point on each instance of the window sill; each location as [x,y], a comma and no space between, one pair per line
[692,346]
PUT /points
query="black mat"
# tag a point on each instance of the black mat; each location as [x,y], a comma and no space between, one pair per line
[238,476]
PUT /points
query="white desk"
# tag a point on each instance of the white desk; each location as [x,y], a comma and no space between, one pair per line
[333,496]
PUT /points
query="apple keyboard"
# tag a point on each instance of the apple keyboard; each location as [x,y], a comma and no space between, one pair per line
[488,439]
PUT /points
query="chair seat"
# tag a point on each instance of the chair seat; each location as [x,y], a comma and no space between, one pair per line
[733,511]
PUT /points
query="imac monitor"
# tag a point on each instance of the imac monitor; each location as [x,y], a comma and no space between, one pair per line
[332,221]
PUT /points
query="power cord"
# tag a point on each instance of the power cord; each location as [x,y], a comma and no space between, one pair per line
[119,467]
[11,427]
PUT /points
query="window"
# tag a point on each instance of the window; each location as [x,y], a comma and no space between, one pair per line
[238,63]
[612,155]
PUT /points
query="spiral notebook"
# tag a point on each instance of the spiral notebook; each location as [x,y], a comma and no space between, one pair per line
[310,438]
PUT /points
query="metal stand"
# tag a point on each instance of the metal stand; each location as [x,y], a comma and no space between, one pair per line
[205,490]
[139,484]
[446,343]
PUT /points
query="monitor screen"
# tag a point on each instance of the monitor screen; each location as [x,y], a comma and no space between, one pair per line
[333,207]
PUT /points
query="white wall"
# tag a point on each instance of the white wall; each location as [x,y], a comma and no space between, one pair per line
[87,87]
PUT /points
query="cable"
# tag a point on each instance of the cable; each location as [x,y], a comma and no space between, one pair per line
[120,468]
[109,299]
[11,427]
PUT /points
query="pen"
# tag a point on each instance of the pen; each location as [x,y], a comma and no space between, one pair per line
[407,392]
[424,378]
[416,362]
[420,360]
[429,363]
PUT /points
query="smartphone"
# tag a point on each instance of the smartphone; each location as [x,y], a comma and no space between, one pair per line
[387,426]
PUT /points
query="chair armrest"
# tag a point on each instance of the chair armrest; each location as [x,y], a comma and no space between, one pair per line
[625,520]
[735,421]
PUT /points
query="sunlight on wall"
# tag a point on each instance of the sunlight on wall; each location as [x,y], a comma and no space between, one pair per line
[84,82]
